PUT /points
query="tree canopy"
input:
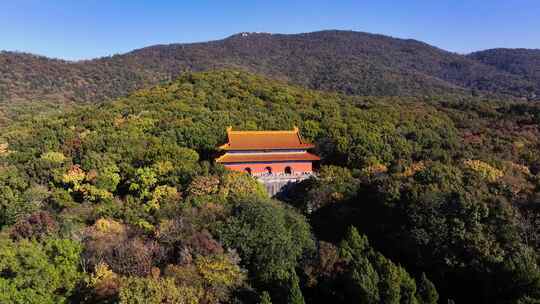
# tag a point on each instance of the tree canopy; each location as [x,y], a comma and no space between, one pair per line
[416,200]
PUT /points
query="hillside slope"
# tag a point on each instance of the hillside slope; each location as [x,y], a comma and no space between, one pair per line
[521,62]
[443,196]
[350,62]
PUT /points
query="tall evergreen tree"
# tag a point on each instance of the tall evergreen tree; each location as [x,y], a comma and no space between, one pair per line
[295,294]
[426,290]
[265,298]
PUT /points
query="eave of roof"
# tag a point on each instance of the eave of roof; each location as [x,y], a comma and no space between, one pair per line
[266,157]
[227,147]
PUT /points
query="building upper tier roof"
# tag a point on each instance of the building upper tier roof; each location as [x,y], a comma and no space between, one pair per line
[264,140]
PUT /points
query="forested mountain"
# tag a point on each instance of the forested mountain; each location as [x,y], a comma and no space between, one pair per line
[521,62]
[345,61]
[417,200]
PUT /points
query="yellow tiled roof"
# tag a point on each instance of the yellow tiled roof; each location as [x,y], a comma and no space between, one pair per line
[264,140]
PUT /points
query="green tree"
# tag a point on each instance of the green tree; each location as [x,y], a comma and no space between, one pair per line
[295,294]
[143,182]
[237,186]
[135,290]
[13,202]
[426,290]
[363,278]
[373,278]
[270,239]
[265,298]
[32,272]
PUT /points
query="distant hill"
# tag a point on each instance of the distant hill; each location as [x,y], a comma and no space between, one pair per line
[344,61]
[521,62]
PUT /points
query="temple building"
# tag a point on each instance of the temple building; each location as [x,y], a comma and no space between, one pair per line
[267,153]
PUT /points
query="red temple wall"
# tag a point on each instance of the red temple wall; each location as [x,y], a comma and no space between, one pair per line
[276,167]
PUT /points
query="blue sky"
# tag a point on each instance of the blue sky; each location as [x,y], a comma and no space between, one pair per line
[81,29]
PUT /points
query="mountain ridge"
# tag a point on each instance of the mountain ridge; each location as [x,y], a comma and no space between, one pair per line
[345,61]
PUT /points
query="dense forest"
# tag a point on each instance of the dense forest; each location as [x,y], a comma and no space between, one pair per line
[417,200]
[524,62]
[349,62]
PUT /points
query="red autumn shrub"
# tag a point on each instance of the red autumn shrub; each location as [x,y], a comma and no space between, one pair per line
[124,249]
[38,225]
